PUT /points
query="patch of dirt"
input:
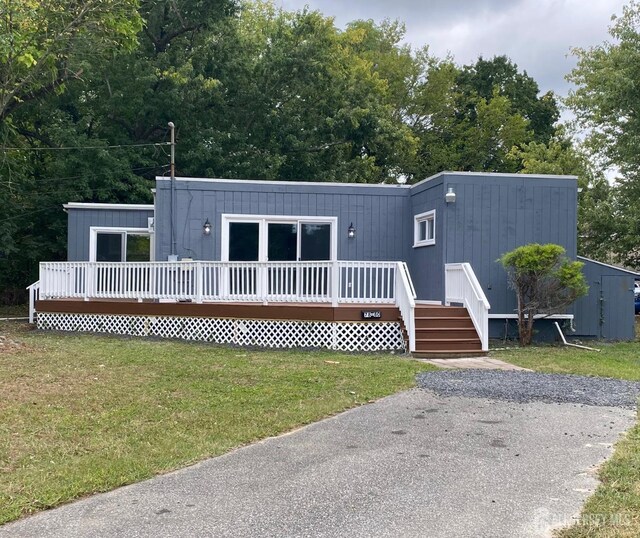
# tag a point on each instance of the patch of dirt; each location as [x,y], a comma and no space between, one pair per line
[8,345]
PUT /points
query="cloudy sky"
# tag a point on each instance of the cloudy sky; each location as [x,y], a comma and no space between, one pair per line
[536,34]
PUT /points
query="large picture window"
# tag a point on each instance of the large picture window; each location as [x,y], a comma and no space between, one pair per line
[425,229]
[120,245]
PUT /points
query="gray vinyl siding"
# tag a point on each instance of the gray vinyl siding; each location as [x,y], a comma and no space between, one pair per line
[607,311]
[81,220]
[494,214]
[376,212]
[426,263]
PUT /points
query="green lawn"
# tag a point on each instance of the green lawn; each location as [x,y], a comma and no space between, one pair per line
[614,509]
[14,311]
[81,414]
[620,360]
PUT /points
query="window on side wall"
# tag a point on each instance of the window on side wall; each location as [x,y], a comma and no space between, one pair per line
[424,231]
[120,245]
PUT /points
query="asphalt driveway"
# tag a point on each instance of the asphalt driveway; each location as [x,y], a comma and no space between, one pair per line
[414,464]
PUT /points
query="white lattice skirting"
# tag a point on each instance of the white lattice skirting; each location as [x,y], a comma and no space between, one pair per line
[339,336]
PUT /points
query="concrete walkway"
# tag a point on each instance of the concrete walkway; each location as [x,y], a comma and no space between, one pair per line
[411,465]
[481,363]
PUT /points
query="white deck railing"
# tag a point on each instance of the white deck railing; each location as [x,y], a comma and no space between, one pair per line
[354,282]
[462,286]
[198,281]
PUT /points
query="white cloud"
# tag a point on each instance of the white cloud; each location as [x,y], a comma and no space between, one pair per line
[536,34]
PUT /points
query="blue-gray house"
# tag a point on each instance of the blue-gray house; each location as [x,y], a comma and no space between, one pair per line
[342,266]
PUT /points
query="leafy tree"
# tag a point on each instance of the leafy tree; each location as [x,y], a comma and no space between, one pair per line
[606,103]
[501,75]
[487,140]
[432,116]
[299,99]
[36,180]
[46,47]
[45,43]
[395,63]
[545,282]
[469,118]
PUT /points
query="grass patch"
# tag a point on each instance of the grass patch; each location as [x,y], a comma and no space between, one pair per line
[81,414]
[11,311]
[613,511]
[620,360]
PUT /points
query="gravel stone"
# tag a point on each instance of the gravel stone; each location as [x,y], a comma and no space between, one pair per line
[524,387]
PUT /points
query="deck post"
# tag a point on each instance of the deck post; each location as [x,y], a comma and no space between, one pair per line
[88,274]
[33,290]
[32,306]
[199,282]
[335,283]
[263,283]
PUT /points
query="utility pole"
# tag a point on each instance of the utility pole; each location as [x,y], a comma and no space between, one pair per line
[172,211]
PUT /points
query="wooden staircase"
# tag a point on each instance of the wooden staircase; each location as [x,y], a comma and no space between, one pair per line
[445,332]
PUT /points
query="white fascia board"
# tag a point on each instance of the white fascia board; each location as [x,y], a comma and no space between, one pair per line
[272,182]
[384,185]
[491,174]
[126,207]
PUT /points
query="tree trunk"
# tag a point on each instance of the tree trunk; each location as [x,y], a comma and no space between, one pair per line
[524,330]
[529,332]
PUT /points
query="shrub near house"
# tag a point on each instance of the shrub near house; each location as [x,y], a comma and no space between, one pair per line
[545,282]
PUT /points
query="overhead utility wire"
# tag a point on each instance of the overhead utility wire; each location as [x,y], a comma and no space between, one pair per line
[50,179]
[45,208]
[89,147]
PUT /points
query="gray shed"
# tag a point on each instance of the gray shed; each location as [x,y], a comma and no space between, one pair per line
[607,312]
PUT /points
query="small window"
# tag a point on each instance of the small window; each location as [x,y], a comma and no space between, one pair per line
[425,229]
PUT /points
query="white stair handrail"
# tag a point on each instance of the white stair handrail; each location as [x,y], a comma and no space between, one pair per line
[405,301]
[405,270]
[462,286]
[34,292]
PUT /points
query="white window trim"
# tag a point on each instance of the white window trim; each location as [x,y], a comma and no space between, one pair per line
[417,219]
[263,220]
[95,230]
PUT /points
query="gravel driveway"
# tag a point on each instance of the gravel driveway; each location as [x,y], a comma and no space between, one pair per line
[526,387]
[478,454]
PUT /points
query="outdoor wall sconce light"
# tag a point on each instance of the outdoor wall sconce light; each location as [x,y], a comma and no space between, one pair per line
[206,229]
[450,197]
[351,231]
